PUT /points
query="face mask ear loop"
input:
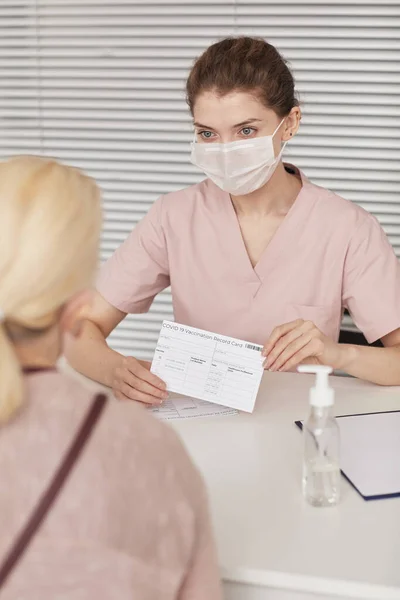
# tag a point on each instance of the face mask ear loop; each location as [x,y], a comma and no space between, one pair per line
[278,126]
[284,143]
[283,147]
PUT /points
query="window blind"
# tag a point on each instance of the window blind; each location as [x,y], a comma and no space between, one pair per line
[100,85]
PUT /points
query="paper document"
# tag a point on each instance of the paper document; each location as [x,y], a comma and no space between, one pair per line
[189,408]
[370,453]
[208,366]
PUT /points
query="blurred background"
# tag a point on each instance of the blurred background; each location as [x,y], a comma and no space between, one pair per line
[100,84]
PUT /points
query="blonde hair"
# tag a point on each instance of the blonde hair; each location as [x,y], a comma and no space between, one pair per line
[50,219]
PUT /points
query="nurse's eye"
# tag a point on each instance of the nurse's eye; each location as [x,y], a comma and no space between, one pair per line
[247,131]
[206,135]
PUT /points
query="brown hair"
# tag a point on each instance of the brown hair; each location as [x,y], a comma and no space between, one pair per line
[244,63]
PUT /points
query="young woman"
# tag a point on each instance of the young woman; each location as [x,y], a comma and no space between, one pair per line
[131,520]
[254,251]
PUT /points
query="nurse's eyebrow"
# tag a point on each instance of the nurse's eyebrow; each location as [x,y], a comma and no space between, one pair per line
[200,126]
[247,122]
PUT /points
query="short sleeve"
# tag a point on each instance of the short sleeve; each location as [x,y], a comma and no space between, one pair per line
[138,270]
[371,282]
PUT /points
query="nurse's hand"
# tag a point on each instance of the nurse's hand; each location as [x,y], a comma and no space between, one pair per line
[299,342]
[134,381]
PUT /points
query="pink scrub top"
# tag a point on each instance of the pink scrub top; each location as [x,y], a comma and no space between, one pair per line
[327,255]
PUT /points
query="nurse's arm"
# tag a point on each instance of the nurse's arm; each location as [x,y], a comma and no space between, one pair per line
[90,355]
[300,342]
[378,365]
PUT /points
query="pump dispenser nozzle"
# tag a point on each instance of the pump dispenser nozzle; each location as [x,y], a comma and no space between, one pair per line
[321,394]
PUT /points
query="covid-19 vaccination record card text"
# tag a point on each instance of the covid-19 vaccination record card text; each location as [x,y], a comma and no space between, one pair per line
[208,366]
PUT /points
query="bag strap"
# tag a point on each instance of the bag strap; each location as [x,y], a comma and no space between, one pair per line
[48,498]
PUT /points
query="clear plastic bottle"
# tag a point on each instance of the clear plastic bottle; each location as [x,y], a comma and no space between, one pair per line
[321,470]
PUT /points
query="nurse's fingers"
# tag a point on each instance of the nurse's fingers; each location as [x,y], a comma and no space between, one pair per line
[120,396]
[134,394]
[312,350]
[134,380]
[146,388]
[284,342]
[291,349]
[142,370]
[279,332]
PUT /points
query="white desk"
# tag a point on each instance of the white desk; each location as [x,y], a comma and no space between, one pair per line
[271,544]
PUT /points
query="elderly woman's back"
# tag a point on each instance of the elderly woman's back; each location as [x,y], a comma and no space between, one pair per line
[131,520]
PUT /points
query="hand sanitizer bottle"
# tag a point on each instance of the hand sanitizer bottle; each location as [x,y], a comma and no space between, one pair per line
[321,471]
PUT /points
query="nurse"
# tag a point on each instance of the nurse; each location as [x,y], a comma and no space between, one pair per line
[256,250]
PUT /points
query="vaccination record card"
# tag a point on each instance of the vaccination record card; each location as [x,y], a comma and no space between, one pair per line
[207,366]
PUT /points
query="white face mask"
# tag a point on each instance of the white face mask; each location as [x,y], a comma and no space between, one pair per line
[238,167]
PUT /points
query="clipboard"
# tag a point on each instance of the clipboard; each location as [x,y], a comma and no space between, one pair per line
[370,453]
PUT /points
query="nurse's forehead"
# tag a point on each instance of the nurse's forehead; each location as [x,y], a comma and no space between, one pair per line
[214,110]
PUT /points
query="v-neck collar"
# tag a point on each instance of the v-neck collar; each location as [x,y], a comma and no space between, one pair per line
[253,276]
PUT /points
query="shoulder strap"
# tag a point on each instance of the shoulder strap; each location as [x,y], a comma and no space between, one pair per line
[49,496]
